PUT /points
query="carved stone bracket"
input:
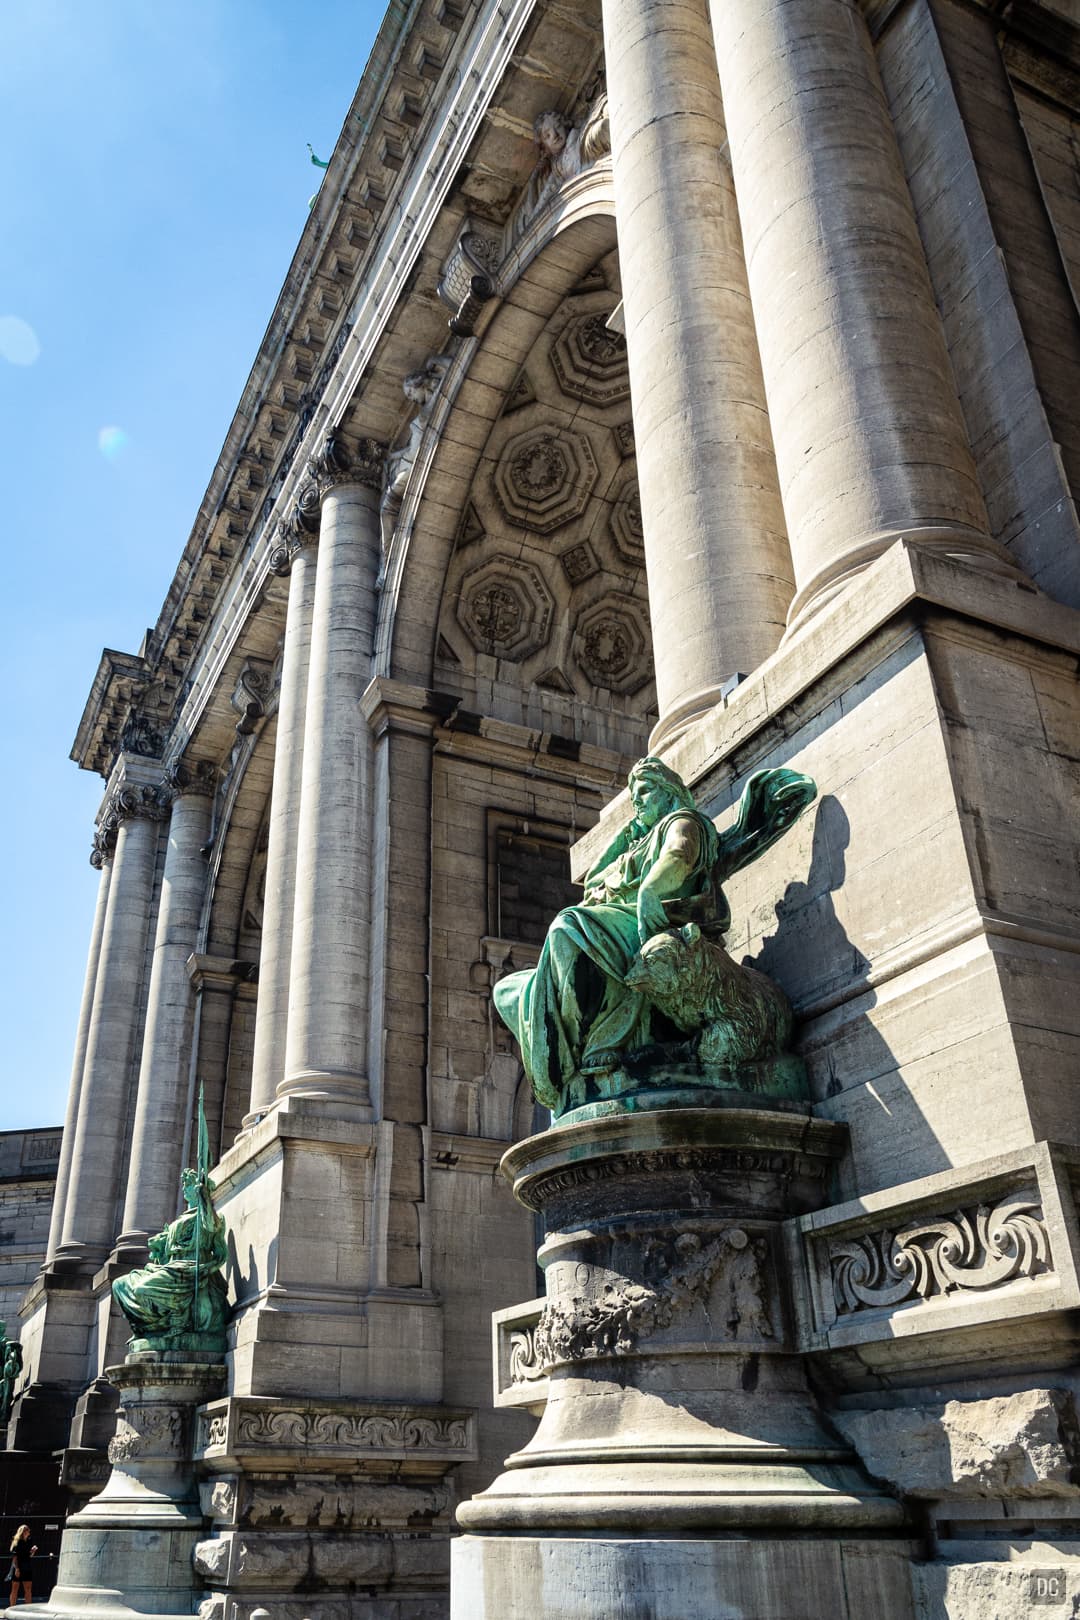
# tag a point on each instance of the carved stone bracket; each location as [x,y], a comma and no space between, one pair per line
[468,278]
[149,800]
[251,695]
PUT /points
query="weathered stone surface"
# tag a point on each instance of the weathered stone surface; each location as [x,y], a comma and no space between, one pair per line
[1010,1446]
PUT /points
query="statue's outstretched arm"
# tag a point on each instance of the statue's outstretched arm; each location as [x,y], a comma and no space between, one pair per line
[771,802]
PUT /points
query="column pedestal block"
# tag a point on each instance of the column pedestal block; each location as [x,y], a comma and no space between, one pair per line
[129,1551]
[681,1467]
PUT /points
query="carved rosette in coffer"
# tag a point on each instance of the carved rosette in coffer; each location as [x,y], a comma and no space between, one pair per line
[505,608]
[544,477]
[589,359]
[611,643]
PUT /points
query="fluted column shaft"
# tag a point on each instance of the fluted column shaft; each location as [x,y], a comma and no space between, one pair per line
[98,1145]
[272,1008]
[161,1106]
[326,1048]
[870,440]
[86,1007]
[716,554]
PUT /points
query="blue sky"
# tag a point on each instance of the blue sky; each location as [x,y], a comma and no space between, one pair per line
[154,180]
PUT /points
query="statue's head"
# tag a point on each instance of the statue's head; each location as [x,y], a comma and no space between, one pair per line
[189,1186]
[657,790]
[552,131]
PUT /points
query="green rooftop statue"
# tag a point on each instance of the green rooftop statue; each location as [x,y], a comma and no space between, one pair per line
[633,989]
[178,1300]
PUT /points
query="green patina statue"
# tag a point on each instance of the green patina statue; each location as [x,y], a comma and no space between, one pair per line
[634,990]
[11,1361]
[178,1300]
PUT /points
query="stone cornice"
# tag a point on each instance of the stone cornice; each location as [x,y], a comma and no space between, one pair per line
[377,205]
[120,681]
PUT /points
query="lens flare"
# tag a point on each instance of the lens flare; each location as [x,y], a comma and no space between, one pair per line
[18,341]
[112,442]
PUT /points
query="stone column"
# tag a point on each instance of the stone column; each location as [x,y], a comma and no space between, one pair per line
[161,1108]
[716,553]
[102,859]
[870,441]
[272,1009]
[97,1149]
[326,1049]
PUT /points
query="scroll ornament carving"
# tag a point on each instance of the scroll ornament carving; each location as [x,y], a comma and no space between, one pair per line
[200,779]
[468,278]
[215,1430]
[966,1251]
[613,1324]
[252,694]
[372,1431]
[525,1363]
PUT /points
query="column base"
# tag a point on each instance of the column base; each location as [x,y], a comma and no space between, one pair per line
[960,545]
[346,1096]
[676,1578]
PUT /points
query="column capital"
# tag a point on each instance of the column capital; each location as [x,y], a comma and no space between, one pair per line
[132,801]
[298,528]
[335,464]
[199,778]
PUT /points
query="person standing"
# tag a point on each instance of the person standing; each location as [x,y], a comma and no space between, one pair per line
[21,1571]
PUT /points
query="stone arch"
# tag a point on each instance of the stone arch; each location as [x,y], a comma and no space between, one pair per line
[547,265]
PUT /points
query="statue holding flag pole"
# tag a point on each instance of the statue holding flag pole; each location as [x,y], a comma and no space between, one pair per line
[178,1300]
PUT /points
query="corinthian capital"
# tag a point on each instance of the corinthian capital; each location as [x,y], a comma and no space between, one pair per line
[335,464]
[199,778]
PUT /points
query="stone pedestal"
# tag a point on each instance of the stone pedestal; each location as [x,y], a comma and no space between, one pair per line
[681,1467]
[129,1551]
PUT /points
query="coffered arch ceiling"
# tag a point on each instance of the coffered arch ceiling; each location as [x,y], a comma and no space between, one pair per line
[543,608]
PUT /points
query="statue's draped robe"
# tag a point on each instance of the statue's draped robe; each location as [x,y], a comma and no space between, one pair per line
[573,1008]
[562,1012]
[182,1289]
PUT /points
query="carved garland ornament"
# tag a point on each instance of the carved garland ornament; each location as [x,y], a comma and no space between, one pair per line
[966,1251]
[612,1325]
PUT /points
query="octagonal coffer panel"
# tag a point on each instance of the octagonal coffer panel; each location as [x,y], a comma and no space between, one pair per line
[611,643]
[627,530]
[544,477]
[505,608]
[589,360]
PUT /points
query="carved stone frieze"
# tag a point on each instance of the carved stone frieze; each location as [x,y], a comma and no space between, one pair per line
[963,1251]
[525,1362]
[271,1427]
[147,1431]
[589,360]
[681,1271]
[557,1192]
[611,643]
[545,476]
[505,608]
